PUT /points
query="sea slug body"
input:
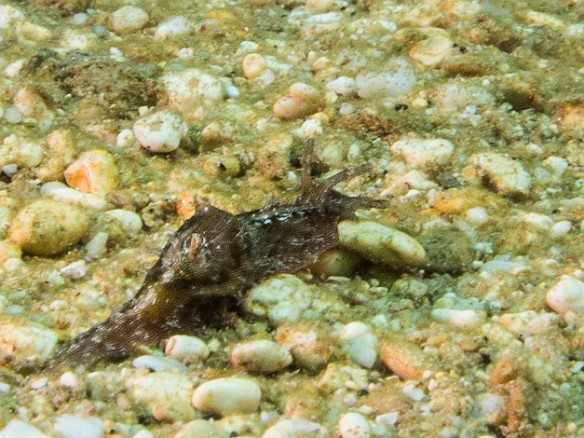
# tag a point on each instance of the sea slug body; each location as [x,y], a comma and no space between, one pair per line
[212,260]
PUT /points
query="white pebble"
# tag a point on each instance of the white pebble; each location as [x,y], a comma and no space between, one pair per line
[492,407]
[125,138]
[457,95]
[79,19]
[319,24]
[129,221]
[507,176]
[19,429]
[72,426]
[9,16]
[557,165]
[226,396]
[387,419]
[560,229]
[10,169]
[19,151]
[412,391]
[13,69]
[12,115]
[477,216]
[25,343]
[311,127]
[567,295]
[160,132]
[158,364]
[128,19]
[360,343]
[353,425]
[529,322]
[419,152]
[38,382]
[189,89]
[309,344]
[283,299]
[381,244]
[343,86]
[254,65]
[181,347]
[396,79]
[97,246]
[260,356]
[69,380]
[165,394]
[4,387]
[432,51]
[60,192]
[539,221]
[300,100]
[75,270]
[295,428]
[458,318]
[173,26]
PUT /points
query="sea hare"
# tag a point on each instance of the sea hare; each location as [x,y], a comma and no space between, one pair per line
[215,257]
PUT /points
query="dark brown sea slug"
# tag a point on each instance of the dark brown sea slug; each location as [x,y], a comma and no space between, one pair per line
[216,256]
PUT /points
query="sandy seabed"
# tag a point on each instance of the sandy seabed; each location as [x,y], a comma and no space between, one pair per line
[118,121]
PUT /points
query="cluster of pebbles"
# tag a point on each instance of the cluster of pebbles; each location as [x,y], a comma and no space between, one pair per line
[458,311]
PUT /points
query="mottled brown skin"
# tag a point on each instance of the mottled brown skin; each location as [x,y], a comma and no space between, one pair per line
[213,257]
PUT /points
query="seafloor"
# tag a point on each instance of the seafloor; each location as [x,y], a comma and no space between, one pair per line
[119,119]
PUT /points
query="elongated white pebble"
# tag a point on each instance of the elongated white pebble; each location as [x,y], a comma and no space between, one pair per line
[360,343]
[160,132]
[260,356]
[293,429]
[156,363]
[226,396]
[19,429]
[458,318]
[60,192]
[567,295]
[560,229]
[354,425]
[381,244]
[182,347]
[93,171]
[47,227]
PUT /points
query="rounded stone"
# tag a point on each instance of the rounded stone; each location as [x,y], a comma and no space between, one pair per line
[227,396]
[128,19]
[354,425]
[48,227]
[567,295]
[94,171]
[260,356]
[381,244]
[160,132]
